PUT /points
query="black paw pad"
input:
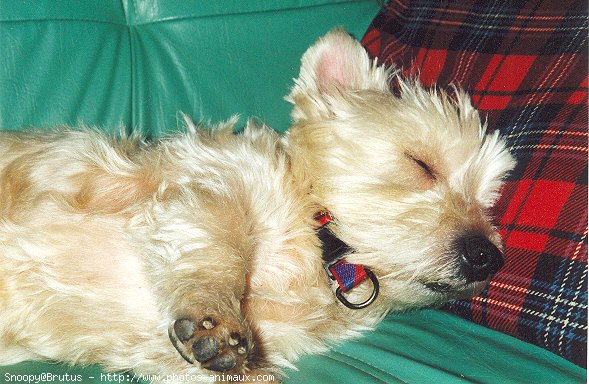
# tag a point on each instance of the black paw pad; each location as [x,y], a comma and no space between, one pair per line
[205,348]
[222,363]
[212,342]
[184,329]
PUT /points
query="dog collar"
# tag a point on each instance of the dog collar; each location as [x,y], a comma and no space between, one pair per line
[347,275]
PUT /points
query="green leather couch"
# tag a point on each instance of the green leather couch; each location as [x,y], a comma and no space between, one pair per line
[138,62]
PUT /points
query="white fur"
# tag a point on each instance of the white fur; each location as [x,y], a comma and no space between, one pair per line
[106,242]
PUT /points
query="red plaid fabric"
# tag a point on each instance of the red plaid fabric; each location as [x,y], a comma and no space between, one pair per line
[525,65]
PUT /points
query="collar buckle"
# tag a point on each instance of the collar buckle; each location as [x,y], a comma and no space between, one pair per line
[346,274]
[367,302]
[349,276]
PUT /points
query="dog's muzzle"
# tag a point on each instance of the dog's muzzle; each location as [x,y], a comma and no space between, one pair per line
[479,258]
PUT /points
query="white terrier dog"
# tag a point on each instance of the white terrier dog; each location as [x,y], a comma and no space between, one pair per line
[236,253]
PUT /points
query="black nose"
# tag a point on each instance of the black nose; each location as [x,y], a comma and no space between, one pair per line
[479,258]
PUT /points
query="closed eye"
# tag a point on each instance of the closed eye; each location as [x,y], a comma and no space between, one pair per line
[426,168]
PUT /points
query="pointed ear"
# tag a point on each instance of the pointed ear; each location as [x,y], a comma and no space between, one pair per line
[335,63]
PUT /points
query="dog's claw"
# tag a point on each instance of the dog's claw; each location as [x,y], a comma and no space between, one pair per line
[208,323]
[233,339]
[210,343]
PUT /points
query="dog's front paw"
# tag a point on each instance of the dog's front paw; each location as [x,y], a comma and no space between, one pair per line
[216,345]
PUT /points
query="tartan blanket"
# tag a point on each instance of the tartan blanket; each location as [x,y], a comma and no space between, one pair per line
[524,63]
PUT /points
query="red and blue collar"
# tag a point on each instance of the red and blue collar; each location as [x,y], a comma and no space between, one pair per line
[347,275]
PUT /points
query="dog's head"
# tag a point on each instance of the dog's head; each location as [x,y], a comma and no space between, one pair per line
[409,178]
